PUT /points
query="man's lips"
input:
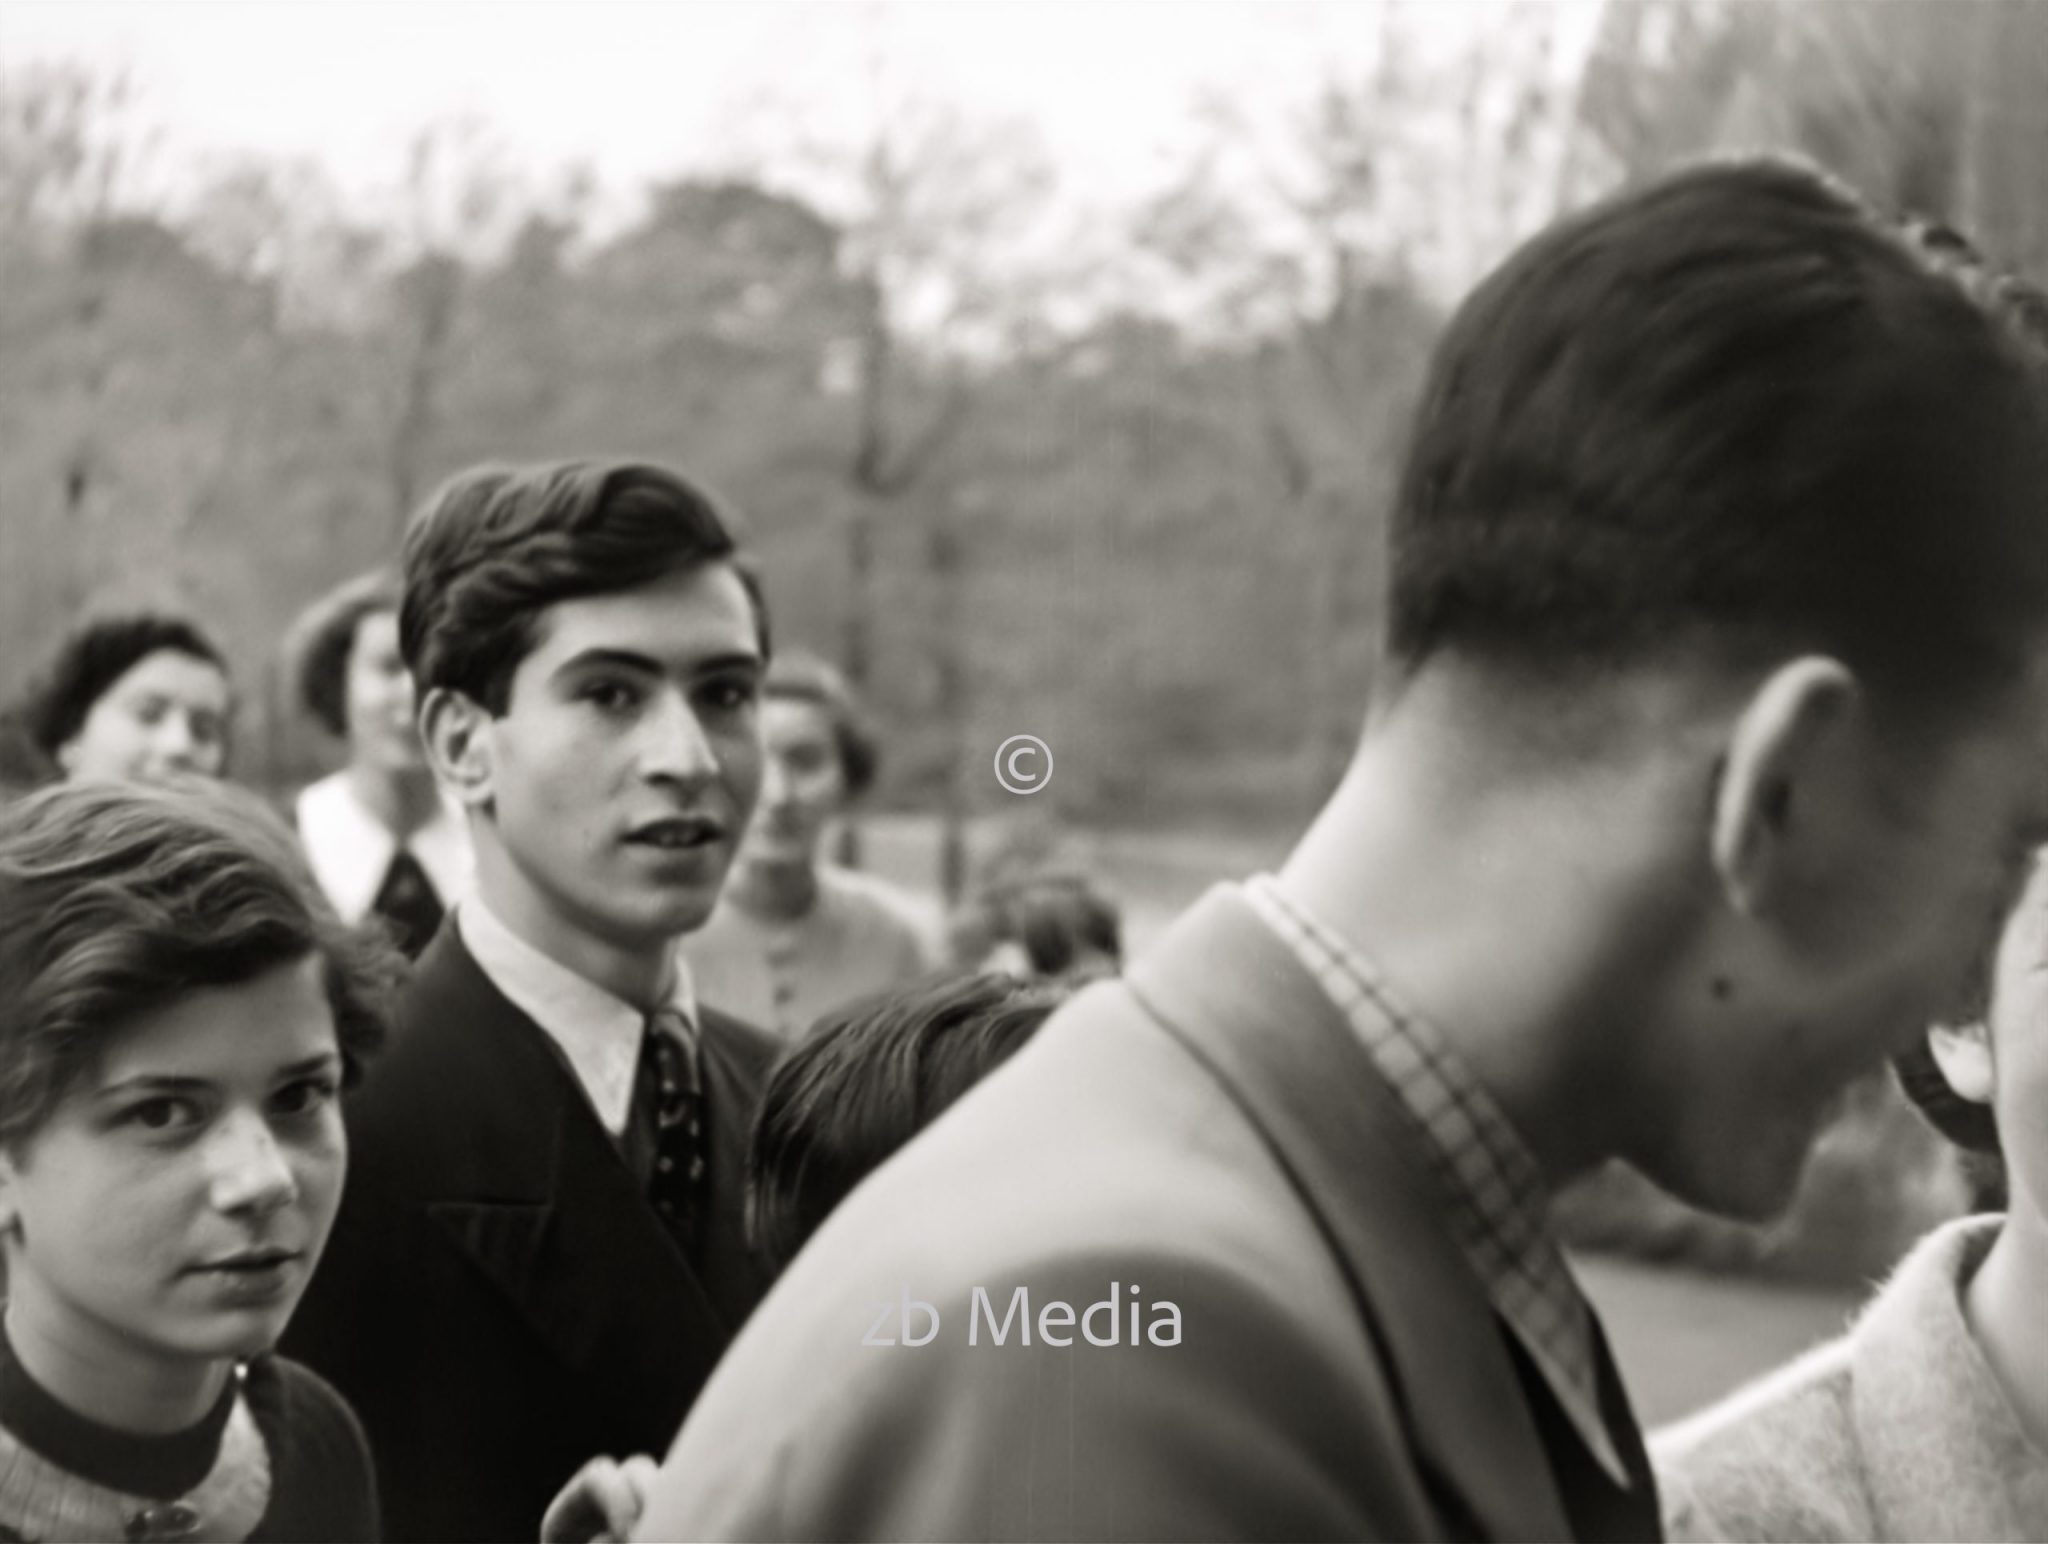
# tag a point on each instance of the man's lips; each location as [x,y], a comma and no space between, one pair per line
[677,833]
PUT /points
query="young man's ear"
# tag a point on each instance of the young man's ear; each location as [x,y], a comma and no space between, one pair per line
[1964,1057]
[456,731]
[1787,792]
[8,1215]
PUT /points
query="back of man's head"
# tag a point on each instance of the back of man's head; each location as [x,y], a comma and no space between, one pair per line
[1720,420]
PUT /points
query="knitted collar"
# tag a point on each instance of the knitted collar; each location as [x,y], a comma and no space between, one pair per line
[40,1500]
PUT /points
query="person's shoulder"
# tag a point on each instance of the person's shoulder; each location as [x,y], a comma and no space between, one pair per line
[324,1484]
[1775,1460]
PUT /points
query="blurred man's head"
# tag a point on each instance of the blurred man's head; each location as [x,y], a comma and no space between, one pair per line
[866,1079]
[1728,501]
[589,644]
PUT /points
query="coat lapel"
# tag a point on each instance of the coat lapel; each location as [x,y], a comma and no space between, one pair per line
[1239,1000]
[550,1215]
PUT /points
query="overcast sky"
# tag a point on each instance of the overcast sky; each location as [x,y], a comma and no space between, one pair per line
[644,89]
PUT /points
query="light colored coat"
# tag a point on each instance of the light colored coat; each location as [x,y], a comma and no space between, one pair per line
[1898,1430]
[1212,1133]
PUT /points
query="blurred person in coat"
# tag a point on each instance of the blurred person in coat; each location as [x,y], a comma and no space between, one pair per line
[794,936]
[1700,769]
[381,839]
[540,1254]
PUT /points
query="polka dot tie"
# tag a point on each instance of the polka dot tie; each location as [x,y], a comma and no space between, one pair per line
[670,1069]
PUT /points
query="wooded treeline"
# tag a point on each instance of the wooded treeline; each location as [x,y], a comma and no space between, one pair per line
[1120,492]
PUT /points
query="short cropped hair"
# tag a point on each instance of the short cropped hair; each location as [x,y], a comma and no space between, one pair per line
[497,545]
[1732,408]
[92,657]
[801,677]
[325,634]
[865,1080]
[1053,917]
[117,899]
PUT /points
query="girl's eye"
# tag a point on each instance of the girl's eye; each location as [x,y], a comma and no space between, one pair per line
[612,696]
[162,1114]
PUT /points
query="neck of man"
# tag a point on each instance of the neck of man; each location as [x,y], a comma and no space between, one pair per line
[642,974]
[401,800]
[2003,1306]
[106,1377]
[774,889]
[1521,901]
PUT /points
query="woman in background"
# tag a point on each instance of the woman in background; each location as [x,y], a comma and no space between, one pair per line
[177,1021]
[1929,1420]
[381,840]
[134,696]
[794,937]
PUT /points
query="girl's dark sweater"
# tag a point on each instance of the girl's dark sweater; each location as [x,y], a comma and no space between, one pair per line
[321,1485]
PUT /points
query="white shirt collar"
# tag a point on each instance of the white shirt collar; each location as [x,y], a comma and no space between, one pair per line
[598,1032]
[349,849]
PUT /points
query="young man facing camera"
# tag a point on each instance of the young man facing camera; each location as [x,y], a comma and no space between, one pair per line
[1704,760]
[539,1256]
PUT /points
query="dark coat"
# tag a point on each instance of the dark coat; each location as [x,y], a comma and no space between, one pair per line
[498,1301]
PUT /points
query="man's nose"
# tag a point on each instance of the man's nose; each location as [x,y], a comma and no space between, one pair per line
[249,1171]
[675,744]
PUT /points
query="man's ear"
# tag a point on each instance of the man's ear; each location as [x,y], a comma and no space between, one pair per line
[9,1216]
[456,730]
[1964,1056]
[1783,789]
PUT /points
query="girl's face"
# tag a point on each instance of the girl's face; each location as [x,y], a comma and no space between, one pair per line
[2018,1051]
[174,1206]
[803,783]
[378,698]
[168,716]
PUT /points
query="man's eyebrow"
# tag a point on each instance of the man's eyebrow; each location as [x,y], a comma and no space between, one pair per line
[625,659]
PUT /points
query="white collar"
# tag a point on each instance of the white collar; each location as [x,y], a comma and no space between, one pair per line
[349,849]
[598,1032]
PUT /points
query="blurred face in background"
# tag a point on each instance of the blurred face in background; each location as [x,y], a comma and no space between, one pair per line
[803,783]
[165,718]
[383,732]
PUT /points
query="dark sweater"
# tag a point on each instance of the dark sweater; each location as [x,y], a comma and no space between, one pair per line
[321,1485]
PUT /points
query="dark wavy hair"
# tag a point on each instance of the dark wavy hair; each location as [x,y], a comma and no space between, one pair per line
[866,1079]
[92,657]
[497,545]
[117,899]
[801,677]
[323,637]
[1732,412]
